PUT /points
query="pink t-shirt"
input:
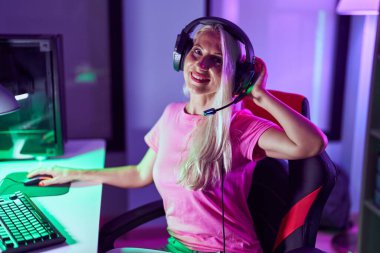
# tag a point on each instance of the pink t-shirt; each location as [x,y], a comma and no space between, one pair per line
[195,217]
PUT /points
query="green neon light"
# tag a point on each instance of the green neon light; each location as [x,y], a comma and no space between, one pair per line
[86,77]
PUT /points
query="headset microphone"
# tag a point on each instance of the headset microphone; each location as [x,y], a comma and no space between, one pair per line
[212,111]
[246,90]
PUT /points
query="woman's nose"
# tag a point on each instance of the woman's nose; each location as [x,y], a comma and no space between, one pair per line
[204,63]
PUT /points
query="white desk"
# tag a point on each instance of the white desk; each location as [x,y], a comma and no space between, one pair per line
[75,214]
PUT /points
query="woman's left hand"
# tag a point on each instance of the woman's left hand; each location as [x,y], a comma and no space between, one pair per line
[259,87]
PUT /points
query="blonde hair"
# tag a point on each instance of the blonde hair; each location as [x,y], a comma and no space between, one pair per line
[210,152]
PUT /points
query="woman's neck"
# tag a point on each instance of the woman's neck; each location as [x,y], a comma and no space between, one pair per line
[198,104]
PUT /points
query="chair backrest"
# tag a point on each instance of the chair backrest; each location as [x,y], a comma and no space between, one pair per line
[287,197]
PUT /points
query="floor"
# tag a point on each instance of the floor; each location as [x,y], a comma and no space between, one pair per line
[324,241]
[338,242]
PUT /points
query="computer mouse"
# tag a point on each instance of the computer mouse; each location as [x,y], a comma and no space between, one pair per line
[34,181]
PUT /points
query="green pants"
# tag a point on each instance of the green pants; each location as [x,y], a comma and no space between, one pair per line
[175,246]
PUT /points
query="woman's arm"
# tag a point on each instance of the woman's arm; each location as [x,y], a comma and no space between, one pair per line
[130,176]
[300,138]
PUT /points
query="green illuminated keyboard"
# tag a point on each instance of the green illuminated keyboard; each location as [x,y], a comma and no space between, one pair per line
[23,227]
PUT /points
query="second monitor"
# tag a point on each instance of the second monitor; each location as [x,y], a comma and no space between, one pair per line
[31,67]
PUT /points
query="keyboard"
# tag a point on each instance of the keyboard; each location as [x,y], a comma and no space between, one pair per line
[23,227]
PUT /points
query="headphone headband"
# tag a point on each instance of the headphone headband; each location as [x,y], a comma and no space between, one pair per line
[230,27]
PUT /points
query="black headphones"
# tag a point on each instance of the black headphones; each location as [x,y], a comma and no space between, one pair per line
[244,75]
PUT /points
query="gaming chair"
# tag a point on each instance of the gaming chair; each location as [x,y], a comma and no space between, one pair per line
[286,198]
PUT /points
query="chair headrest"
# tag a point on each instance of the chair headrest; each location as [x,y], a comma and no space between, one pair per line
[295,101]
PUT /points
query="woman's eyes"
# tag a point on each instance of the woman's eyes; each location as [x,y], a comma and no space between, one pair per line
[197,51]
[216,59]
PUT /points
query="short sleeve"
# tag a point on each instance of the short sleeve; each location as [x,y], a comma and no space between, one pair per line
[152,137]
[248,129]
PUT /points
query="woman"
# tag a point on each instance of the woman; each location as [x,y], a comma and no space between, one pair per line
[202,166]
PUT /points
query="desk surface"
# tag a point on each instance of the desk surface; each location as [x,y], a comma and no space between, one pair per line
[76,214]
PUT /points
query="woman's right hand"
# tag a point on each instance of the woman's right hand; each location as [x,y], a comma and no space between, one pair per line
[259,88]
[60,175]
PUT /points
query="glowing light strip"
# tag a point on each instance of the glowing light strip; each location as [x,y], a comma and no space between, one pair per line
[355,7]
[22,96]
[359,12]
[231,10]
[318,63]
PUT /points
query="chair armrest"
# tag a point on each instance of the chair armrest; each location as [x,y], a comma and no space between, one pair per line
[128,221]
[306,249]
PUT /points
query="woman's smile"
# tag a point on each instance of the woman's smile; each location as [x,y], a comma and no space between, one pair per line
[199,78]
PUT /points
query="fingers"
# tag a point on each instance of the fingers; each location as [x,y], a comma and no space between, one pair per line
[260,68]
[259,61]
[60,175]
[259,86]
[47,182]
[40,171]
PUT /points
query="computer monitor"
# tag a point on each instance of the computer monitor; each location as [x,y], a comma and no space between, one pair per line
[31,67]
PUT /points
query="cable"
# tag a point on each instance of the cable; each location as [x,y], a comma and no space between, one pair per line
[224,235]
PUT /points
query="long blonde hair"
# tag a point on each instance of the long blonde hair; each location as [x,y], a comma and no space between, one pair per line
[210,152]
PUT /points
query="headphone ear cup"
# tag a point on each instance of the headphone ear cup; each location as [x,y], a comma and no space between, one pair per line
[189,46]
[183,44]
[244,77]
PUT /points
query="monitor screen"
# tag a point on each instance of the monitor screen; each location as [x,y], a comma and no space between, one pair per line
[31,67]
